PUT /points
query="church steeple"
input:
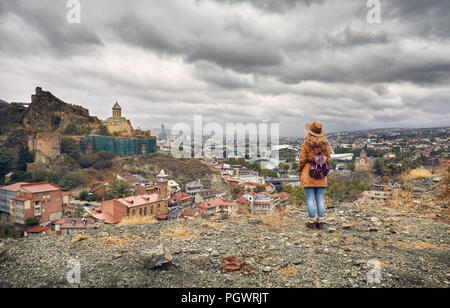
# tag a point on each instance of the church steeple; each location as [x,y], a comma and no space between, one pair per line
[117,111]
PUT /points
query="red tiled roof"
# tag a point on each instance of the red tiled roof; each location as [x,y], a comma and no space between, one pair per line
[214,203]
[40,187]
[107,218]
[243,200]
[38,229]
[22,198]
[13,187]
[59,222]
[133,201]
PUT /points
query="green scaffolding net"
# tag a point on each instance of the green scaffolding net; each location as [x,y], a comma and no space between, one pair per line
[122,147]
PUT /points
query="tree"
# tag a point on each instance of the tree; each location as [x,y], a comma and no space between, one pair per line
[69,147]
[71,180]
[103,130]
[269,173]
[86,160]
[83,195]
[20,176]
[118,189]
[260,188]
[71,129]
[5,162]
[283,166]
[32,221]
[24,158]
[103,160]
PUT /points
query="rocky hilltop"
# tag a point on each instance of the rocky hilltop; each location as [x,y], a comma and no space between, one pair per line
[48,113]
[362,246]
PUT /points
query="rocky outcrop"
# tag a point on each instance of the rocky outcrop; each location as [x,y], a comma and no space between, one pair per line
[48,113]
[11,116]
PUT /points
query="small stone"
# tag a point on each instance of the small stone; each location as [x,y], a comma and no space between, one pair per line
[331,230]
[255,221]
[215,253]
[202,260]
[267,269]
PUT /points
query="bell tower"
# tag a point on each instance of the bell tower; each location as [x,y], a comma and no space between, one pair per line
[162,183]
[117,111]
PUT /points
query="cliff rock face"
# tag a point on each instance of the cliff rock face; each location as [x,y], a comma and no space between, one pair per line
[11,115]
[47,113]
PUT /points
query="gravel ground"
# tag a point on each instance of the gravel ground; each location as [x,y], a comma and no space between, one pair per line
[411,250]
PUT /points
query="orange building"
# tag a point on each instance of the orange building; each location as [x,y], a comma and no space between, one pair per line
[43,201]
[155,204]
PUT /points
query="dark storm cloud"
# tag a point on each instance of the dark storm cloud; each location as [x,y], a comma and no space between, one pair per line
[235,60]
[273,5]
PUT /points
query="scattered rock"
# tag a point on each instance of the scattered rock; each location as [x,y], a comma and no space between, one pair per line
[3,252]
[255,221]
[267,269]
[156,257]
[202,260]
[231,263]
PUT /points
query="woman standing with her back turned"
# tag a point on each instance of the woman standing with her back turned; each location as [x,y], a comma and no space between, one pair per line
[315,142]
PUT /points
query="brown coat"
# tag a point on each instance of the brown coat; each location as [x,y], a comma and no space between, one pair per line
[307,154]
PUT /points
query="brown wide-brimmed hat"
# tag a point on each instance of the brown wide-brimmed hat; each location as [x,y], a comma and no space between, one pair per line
[315,128]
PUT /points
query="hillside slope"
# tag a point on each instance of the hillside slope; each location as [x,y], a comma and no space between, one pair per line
[412,250]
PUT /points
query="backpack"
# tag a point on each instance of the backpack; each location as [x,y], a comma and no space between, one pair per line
[319,168]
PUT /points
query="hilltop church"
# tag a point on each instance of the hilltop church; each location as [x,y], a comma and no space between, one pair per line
[118,125]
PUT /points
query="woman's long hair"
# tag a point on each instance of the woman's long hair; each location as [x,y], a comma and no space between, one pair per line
[317,142]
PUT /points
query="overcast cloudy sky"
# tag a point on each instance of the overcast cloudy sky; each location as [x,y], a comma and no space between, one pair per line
[287,61]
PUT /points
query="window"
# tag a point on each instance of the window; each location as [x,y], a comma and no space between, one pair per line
[140,212]
[145,211]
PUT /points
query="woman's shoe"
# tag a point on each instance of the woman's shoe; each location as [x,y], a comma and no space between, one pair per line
[320,223]
[311,224]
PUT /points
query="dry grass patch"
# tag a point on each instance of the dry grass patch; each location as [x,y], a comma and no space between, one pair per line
[178,232]
[420,245]
[419,173]
[137,220]
[210,226]
[112,241]
[276,222]
[288,271]
[79,238]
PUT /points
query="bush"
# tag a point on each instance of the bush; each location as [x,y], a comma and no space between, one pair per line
[117,189]
[103,160]
[21,176]
[93,197]
[69,146]
[71,129]
[83,195]
[86,161]
[103,130]
[71,180]
[32,221]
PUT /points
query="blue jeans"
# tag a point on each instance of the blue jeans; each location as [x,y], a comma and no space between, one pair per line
[315,194]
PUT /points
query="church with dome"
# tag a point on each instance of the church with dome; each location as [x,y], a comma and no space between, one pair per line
[118,125]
